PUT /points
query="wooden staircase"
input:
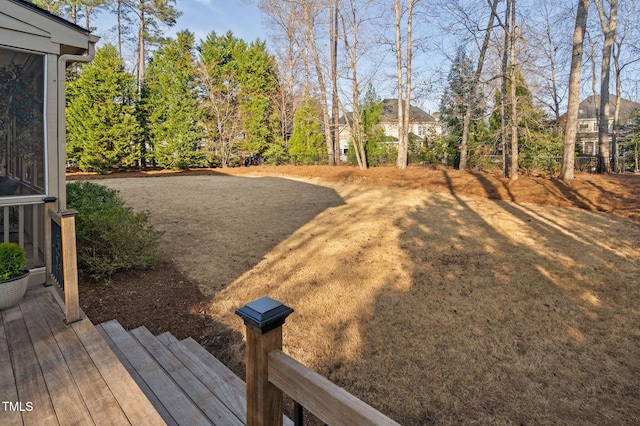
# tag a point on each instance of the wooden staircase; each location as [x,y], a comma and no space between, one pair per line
[184,382]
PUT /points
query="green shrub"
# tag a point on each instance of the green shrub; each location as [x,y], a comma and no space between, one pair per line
[110,236]
[13,261]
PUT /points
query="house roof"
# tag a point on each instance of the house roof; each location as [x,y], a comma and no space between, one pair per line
[43,12]
[589,107]
[390,114]
[28,27]
[416,114]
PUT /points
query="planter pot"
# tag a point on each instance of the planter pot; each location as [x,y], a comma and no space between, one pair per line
[12,291]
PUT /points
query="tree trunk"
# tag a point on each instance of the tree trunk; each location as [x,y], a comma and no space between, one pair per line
[311,41]
[141,51]
[568,155]
[609,30]
[504,68]
[466,125]
[401,134]
[403,154]
[616,113]
[514,95]
[404,81]
[335,111]
[351,25]
[119,26]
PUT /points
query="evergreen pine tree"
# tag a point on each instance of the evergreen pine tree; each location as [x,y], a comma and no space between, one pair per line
[307,140]
[239,83]
[536,137]
[454,104]
[101,115]
[259,84]
[170,99]
[370,115]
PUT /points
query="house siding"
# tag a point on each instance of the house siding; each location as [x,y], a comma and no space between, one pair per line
[421,124]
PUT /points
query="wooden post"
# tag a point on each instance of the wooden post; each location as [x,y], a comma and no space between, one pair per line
[70,261]
[263,319]
[67,221]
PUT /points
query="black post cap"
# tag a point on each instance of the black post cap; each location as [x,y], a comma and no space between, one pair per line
[264,314]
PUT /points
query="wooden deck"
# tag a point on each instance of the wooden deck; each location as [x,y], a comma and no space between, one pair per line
[62,374]
[85,374]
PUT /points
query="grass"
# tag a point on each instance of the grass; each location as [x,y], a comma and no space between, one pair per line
[434,308]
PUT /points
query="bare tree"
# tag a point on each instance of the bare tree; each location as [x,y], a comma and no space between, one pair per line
[403,68]
[221,108]
[284,17]
[609,27]
[355,15]
[311,9]
[466,126]
[335,110]
[551,63]
[513,173]
[619,42]
[503,105]
[568,156]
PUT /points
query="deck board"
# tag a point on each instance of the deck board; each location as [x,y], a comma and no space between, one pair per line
[67,402]
[225,385]
[193,387]
[97,396]
[67,373]
[181,408]
[8,390]
[28,376]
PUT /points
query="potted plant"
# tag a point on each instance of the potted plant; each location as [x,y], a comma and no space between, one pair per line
[13,275]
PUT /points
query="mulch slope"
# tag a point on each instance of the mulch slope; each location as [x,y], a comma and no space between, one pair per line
[616,194]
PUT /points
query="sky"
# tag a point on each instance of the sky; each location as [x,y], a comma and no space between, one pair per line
[201,17]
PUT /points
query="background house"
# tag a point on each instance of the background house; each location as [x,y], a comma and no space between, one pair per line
[422,125]
[588,120]
[35,50]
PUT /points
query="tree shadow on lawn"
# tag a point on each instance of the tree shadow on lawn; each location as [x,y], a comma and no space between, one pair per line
[456,310]
[514,314]
[495,312]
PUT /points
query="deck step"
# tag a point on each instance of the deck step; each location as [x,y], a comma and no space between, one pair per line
[218,379]
[215,410]
[186,384]
[173,404]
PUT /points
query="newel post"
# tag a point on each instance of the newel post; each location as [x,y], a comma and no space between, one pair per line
[263,319]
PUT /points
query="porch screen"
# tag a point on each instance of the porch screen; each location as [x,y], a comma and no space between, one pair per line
[22,146]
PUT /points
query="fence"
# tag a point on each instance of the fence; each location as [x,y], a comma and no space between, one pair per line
[549,164]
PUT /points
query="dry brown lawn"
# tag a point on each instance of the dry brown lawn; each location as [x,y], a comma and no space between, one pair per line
[433,306]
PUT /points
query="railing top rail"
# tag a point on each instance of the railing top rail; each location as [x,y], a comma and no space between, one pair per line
[19,201]
[326,400]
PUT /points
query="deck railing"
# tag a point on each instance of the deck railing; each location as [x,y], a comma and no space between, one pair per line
[61,259]
[270,373]
[23,223]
